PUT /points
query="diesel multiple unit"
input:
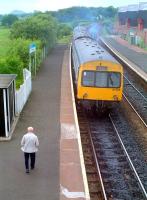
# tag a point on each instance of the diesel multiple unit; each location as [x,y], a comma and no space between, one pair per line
[98,76]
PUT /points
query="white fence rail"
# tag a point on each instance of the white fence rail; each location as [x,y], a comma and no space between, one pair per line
[23,93]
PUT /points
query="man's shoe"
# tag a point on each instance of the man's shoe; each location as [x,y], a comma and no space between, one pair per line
[27,171]
[32,168]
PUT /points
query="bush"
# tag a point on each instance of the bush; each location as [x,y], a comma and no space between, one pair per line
[64,31]
[12,65]
[20,48]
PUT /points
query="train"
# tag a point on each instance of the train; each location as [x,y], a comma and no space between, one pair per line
[98,76]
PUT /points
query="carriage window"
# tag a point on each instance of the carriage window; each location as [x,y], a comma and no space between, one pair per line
[88,78]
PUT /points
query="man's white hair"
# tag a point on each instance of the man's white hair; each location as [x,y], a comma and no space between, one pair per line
[30,129]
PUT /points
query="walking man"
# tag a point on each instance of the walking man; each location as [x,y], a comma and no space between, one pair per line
[29,145]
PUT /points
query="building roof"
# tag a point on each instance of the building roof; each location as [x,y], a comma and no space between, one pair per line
[133,7]
[6,80]
[143,6]
[123,9]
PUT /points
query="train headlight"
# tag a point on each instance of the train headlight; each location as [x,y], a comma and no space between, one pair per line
[115,97]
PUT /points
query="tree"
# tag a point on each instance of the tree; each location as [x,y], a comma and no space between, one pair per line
[8,20]
[64,30]
[41,27]
[74,15]
[20,48]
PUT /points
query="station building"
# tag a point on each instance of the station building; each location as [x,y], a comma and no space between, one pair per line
[7,104]
[132,23]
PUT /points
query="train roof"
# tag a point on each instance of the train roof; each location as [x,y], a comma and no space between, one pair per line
[80,32]
[89,50]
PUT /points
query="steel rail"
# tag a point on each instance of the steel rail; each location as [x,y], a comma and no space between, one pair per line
[128,157]
[135,111]
[98,168]
[135,88]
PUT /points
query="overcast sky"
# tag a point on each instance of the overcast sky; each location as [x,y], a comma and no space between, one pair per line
[6,6]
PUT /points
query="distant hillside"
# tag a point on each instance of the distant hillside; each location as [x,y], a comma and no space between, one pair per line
[18,12]
[76,14]
[1,16]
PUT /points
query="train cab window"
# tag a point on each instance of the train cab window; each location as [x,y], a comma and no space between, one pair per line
[88,78]
[101,79]
[107,79]
[113,79]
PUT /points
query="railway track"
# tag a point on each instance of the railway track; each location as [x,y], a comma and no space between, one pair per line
[135,94]
[136,99]
[117,167]
[96,192]
[118,177]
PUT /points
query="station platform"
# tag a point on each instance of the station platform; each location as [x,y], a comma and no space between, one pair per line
[59,172]
[134,56]
[42,111]
[73,181]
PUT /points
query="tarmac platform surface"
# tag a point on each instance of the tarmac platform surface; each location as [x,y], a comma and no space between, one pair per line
[132,52]
[42,111]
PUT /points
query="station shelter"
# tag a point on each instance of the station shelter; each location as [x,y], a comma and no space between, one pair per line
[7,103]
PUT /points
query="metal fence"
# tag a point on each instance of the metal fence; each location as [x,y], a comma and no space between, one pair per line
[24,91]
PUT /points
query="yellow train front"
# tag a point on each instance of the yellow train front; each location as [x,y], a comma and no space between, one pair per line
[98,76]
